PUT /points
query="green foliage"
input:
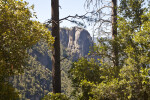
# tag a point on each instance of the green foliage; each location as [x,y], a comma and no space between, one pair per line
[85,70]
[18,33]
[65,81]
[84,73]
[133,81]
[57,96]
[7,92]
[130,80]
[132,10]
[36,81]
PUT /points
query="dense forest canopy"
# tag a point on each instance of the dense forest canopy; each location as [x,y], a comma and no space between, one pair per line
[18,33]
[35,65]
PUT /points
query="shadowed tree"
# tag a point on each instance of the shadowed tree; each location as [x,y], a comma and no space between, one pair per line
[56,74]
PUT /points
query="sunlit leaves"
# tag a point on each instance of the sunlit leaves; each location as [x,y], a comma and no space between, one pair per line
[18,33]
[133,80]
[57,96]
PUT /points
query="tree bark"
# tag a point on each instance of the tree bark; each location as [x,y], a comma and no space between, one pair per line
[114,34]
[56,74]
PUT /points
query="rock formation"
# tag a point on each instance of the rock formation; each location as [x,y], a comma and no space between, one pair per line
[77,41]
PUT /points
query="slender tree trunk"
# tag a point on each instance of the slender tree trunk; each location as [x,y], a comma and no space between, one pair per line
[114,34]
[56,74]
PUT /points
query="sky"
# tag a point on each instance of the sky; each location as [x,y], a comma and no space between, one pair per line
[67,7]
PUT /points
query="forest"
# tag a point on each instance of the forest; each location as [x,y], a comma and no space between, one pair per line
[43,61]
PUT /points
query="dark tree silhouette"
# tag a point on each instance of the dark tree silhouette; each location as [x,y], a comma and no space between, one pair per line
[56,74]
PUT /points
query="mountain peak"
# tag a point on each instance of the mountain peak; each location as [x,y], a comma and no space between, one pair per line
[77,40]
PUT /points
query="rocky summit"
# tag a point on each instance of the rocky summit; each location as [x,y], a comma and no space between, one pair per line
[77,41]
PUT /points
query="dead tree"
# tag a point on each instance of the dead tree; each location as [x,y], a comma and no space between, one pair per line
[105,13]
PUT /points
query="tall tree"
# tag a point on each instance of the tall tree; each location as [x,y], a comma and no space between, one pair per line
[133,49]
[105,13]
[56,74]
[114,34]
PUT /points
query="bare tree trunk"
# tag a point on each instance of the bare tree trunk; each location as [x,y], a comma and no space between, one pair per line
[114,34]
[56,74]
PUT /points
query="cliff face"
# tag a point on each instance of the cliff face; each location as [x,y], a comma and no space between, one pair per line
[77,41]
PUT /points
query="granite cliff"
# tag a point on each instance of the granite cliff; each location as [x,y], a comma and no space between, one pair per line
[77,41]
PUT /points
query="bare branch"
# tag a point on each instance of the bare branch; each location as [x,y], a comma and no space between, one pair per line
[103,8]
[67,18]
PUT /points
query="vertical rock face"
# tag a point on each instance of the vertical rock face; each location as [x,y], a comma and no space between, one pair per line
[77,41]
[64,36]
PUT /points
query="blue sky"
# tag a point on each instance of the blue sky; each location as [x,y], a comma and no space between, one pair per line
[68,7]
